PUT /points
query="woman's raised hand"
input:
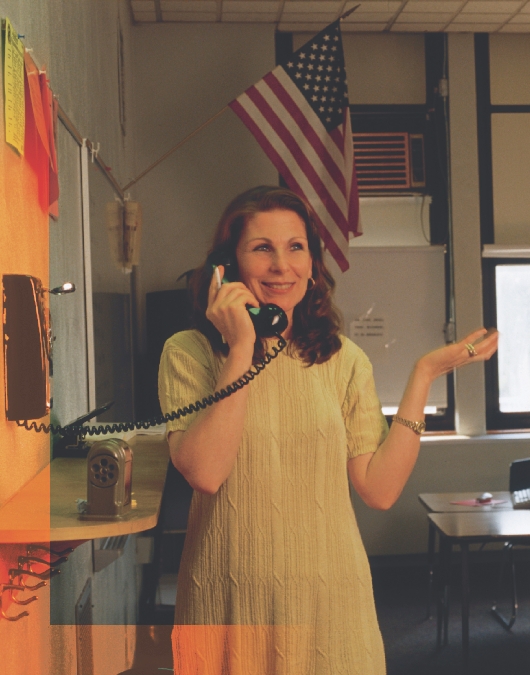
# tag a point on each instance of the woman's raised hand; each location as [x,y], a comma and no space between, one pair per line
[477,346]
[228,313]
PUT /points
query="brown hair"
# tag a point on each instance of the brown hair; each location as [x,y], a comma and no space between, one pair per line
[316,321]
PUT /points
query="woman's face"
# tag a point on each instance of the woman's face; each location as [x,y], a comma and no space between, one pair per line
[274,259]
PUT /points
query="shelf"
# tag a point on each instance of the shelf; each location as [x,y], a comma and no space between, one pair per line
[45,509]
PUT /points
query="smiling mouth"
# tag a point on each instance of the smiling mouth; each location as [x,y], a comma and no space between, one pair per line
[278,287]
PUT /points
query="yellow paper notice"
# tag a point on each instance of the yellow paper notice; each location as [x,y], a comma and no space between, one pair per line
[14,88]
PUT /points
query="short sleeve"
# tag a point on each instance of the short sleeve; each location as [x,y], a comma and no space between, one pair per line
[366,426]
[186,375]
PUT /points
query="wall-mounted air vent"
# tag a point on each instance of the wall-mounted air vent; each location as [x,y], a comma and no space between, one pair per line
[389,161]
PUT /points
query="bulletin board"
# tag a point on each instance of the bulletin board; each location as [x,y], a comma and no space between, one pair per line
[393,303]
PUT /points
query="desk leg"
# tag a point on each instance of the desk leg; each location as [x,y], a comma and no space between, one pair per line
[465,600]
[431,550]
[443,591]
[447,587]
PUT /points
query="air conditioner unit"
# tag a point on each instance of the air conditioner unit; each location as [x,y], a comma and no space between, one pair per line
[389,161]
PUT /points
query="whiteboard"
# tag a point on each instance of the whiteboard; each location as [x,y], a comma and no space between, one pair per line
[393,304]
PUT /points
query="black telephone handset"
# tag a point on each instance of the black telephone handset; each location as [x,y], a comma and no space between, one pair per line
[269,320]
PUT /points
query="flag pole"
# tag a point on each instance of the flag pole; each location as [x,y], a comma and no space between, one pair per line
[175,147]
[350,11]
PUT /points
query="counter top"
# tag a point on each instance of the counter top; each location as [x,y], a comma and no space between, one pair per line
[45,509]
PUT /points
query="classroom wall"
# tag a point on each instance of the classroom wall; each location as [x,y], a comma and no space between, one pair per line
[185,74]
[78,44]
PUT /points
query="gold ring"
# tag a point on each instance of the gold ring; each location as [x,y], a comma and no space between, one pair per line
[470,349]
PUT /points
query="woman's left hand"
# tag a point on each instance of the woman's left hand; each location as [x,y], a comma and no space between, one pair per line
[444,360]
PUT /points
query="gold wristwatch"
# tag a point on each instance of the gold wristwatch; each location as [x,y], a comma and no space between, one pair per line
[417,427]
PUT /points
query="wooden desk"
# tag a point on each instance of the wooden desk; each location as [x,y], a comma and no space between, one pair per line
[463,529]
[440,502]
[45,509]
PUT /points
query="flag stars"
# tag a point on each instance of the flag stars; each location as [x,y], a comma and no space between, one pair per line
[291,65]
[298,75]
[314,45]
[302,55]
[310,67]
[316,88]
[306,86]
[314,98]
[326,38]
[312,57]
[318,78]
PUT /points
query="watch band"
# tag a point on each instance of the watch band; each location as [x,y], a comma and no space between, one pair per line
[417,427]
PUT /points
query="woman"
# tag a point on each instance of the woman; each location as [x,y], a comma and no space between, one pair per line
[274,578]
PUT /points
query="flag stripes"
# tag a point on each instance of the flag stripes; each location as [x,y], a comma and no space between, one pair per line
[299,115]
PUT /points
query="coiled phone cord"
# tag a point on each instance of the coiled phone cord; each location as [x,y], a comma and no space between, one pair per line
[82,430]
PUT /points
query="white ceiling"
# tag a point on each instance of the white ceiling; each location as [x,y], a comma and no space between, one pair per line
[475,16]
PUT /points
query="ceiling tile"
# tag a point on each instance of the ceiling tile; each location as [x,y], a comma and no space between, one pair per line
[472,27]
[481,18]
[308,6]
[444,6]
[421,17]
[363,27]
[381,6]
[491,7]
[254,6]
[188,6]
[520,18]
[417,27]
[249,17]
[189,16]
[368,17]
[515,28]
[143,5]
[290,27]
[308,17]
[525,9]
[144,16]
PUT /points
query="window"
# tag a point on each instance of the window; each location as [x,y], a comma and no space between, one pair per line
[503,120]
[507,291]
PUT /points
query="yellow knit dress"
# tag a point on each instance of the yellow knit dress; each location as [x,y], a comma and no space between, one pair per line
[274,578]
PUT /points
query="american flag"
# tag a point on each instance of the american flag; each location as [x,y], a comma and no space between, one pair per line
[299,115]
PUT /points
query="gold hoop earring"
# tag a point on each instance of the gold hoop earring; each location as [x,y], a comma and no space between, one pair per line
[313,284]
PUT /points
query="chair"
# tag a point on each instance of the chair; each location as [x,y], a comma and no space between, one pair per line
[519,480]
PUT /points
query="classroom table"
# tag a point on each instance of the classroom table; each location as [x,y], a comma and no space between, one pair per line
[464,528]
[441,502]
